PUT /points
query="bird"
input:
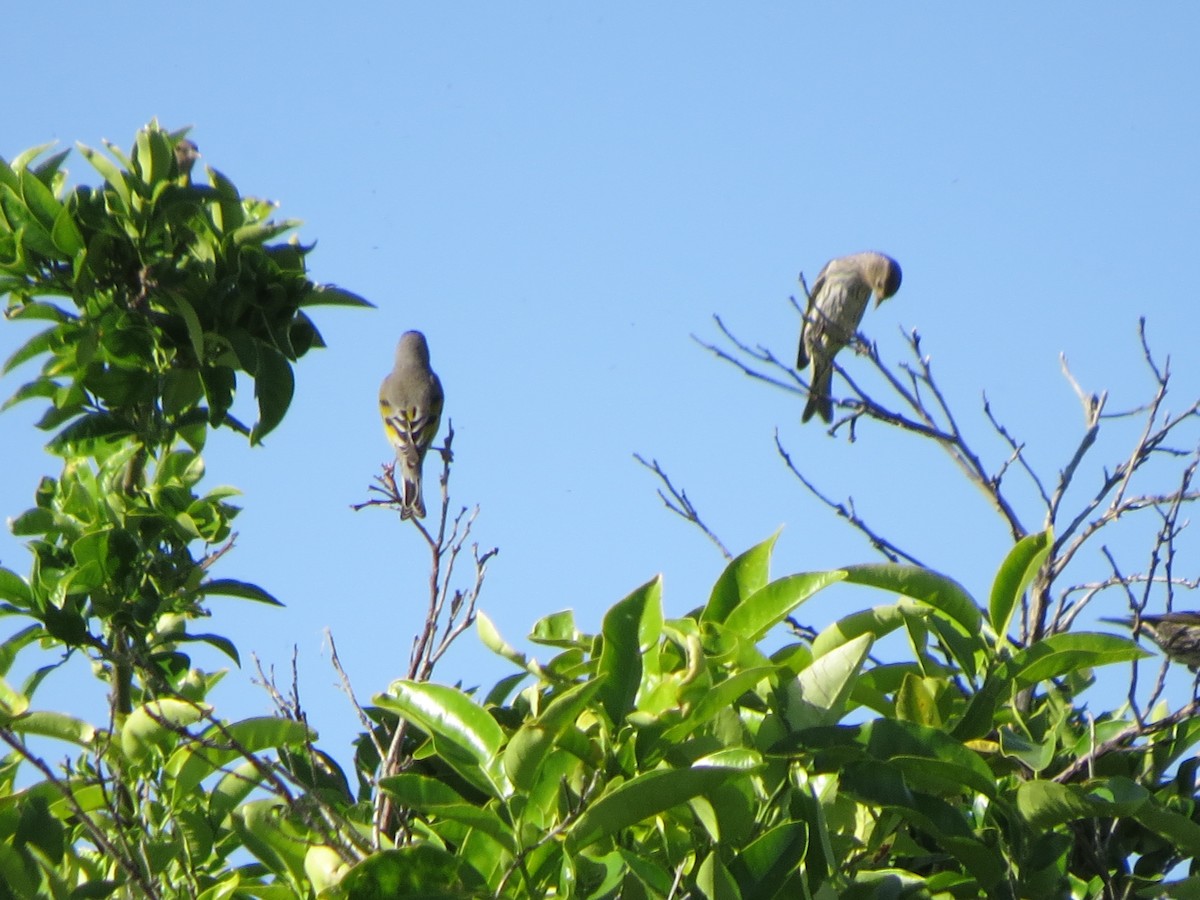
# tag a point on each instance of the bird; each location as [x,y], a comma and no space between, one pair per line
[1176,633]
[186,154]
[410,401]
[835,307]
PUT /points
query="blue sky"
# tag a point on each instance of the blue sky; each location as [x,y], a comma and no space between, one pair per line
[559,196]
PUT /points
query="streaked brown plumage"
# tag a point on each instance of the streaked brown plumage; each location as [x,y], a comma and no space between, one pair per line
[835,307]
[1176,633]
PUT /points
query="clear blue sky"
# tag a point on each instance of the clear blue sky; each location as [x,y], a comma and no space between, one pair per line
[559,195]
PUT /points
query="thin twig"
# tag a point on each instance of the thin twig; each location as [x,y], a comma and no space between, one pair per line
[679,503]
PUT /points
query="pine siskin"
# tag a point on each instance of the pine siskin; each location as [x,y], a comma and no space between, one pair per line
[1176,633]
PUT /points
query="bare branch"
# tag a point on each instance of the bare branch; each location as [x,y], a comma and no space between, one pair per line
[846,510]
[679,503]
[448,611]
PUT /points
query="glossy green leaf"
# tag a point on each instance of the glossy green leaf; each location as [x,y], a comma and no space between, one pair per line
[59,726]
[158,724]
[423,871]
[714,880]
[532,742]
[274,385]
[34,347]
[720,697]
[228,587]
[13,703]
[110,173]
[629,629]
[430,797]
[260,826]
[1060,654]
[643,796]
[66,234]
[39,200]
[818,694]
[766,865]
[1013,577]
[940,592]
[889,739]
[556,630]
[745,575]
[330,295]
[875,622]
[770,605]
[463,731]
[14,589]
[1047,803]
[916,702]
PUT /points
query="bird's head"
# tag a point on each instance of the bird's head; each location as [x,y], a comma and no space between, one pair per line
[412,349]
[888,279]
[186,154]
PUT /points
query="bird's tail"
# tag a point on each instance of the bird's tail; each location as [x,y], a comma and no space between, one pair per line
[819,401]
[412,503]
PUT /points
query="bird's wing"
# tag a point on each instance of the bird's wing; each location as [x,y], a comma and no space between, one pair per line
[811,316]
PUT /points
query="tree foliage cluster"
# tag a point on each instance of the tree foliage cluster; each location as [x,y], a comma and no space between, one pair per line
[932,745]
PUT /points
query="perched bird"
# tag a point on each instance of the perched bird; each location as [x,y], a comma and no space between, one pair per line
[1177,633]
[835,307]
[186,154]
[410,400]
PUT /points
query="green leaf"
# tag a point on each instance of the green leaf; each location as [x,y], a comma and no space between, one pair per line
[916,702]
[228,587]
[1037,756]
[66,234]
[156,724]
[330,295]
[630,628]
[259,824]
[718,699]
[937,590]
[191,322]
[876,622]
[765,865]
[39,200]
[767,607]
[1060,654]
[464,734]
[110,173]
[88,433]
[14,589]
[274,385]
[491,638]
[1014,575]
[13,703]
[221,744]
[35,346]
[531,744]
[641,797]
[819,693]
[745,575]
[1046,803]
[431,797]
[55,725]
[714,881]
[226,646]
[557,630]
[423,871]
